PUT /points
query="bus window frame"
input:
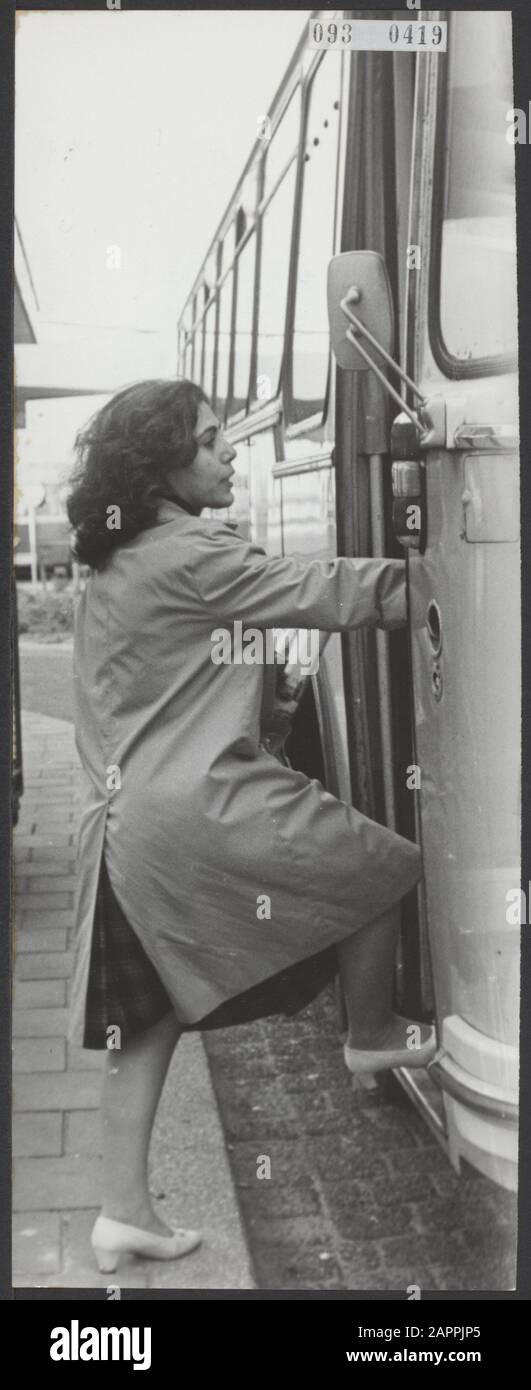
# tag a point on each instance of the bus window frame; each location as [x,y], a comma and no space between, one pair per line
[455,368]
[210,303]
[293,424]
[266,197]
[216,292]
[229,271]
[191,335]
[250,231]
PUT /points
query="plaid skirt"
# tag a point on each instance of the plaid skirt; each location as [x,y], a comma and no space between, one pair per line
[125,990]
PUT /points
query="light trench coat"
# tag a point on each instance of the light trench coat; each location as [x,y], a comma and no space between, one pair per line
[196,821]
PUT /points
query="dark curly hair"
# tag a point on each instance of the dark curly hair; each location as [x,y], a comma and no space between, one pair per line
[124,454]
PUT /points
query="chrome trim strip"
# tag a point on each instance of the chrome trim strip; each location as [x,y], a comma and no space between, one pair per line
[313,464]
[489,1105]
[417,1095]
[265,418]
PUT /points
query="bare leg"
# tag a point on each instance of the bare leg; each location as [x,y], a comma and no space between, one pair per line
[366,964]
[131,1092]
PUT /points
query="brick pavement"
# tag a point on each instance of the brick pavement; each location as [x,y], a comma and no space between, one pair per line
[360,1195]
[57,1086]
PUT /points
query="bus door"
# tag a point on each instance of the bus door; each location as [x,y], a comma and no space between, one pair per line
[464,574]
[378,698]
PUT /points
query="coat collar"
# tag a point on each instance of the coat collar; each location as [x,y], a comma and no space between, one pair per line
[169,510]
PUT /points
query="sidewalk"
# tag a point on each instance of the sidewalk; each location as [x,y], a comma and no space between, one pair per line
[57,1086]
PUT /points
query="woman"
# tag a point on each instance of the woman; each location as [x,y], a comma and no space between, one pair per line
[216,885]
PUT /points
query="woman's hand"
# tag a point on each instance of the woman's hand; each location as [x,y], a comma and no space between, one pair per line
[277,723]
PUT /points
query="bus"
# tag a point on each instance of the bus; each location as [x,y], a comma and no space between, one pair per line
[379,198]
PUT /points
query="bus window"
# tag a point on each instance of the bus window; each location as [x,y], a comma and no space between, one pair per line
[274,272]
[477,305]
[209,341]
[316,243]
[225,315]
[283,144]
[185,343]
[264,493]
[244,323]
[224,329]
[187,362]
[195,355]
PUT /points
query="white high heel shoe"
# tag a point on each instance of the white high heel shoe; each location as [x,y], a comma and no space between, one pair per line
[110,1239]
[362,1063]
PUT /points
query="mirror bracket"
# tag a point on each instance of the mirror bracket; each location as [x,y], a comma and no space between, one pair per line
[357,328]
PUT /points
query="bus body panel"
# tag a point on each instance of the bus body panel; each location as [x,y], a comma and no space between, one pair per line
[465,613]
[466,659]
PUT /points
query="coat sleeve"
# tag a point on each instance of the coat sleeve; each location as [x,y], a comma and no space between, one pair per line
[235,580]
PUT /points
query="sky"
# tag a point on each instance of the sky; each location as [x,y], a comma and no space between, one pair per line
[131,131]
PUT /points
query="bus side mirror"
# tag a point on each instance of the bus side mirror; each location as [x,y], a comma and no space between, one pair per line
[358,280]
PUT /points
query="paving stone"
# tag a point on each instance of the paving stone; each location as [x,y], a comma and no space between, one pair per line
[276,1199]
[262,1126]
[354,1222]
[58,867]
[37,965]
[85,1059]
[431,1215]
[41,800]
[352,1158]
[449,1278]
[289,1159]
[39,994]
[38,1134]
[405,1160]
[76,1090]
[410,1251]
[52,775]
[40,939]
[55,819]
[33,921]
[39,1054]
[47,902]
[39,805]
[294,1255]
[39,1023]
[42,844]
[201,1269]
[36,1243]
[40,848]
[82,1132]
[304,1232]
[486,1246]
[360,1275]
[53,1184]
[55,883]
[84,1279]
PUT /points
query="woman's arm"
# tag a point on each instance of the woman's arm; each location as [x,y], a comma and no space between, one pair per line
[235,580]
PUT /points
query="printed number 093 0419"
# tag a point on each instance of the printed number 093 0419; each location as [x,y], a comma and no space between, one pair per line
[378,34]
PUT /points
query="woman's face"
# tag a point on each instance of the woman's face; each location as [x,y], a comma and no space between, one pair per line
[207,481]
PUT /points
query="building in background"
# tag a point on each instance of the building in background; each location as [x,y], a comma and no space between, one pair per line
[63,373]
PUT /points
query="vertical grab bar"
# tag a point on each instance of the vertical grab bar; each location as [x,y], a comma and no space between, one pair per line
[382,644]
